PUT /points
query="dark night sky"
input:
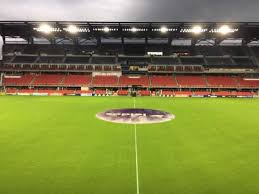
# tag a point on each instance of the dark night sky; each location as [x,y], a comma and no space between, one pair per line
[131,10]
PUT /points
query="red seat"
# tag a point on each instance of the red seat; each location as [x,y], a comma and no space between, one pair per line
[122,92]
[48,79]
[144,93]
[100,92]
[167,93]
[77,80]
[163,81]
[105,81]
[191,81]
[136,80]
[248,83]
[222,81]
[23,80]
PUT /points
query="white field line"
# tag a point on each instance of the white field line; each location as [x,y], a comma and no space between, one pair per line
[136,152]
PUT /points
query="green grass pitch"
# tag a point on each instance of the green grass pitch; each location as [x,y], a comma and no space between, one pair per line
[56,145]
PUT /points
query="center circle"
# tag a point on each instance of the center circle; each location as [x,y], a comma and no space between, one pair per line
[135,116]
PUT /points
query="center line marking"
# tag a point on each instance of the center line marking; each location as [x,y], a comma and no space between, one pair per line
[136,152]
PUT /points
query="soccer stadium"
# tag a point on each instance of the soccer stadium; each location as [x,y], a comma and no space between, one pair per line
[129,107]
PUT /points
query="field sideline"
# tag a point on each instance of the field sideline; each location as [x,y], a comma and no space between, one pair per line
[56,145]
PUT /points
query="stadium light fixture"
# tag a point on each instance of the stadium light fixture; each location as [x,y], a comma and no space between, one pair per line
[106,29]
[45,28]
[225,29]
[133,29]
[72,29]
[197,29]
[163,29]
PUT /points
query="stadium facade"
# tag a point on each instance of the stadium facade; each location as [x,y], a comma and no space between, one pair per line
[122,58]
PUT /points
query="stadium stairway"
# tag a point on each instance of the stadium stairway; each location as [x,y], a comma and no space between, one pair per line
[32,81]
[205,79]
[176,80]
[62,80]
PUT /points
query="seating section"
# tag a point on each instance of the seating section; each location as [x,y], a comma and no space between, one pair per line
[144,93]
[179,81]
[122,92]
[105,81]
[248,83]
[77,80]
[24,80]
[100,92]
[222,81]
[189,81]
[163,81]
[48,91]
[202,93]
[138,80]
[48,79]
[167,93]
[182,93]
[224,93]
[244,93]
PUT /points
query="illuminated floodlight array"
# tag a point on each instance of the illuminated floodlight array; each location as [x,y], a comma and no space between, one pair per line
[47,29]
[134,29]
[198,30]
[194,30]
[164,29]
[225,29]
[74,29]
[105,29]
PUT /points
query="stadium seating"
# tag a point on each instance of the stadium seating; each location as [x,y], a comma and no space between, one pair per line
[248,83]
[201,93]
[144,93]
[133,80]
[222,81]
[105,81]
[244,93]
[123,92]
[182,93]
[191,81]
[77,80]
[48,79]
[224,93]
[24,80]
[163,81]
[167,93]
[100,92]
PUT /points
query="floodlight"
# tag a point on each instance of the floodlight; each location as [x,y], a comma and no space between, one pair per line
[45,28]
[72,29]
[197,29]
[225,29]
[106,29]
[133,29]
[164,29]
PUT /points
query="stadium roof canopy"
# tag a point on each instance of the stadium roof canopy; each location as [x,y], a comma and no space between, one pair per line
[79,31]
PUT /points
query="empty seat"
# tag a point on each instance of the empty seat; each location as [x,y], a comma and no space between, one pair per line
[105,81]
[191,81]
[23,80]
[48,79]
[77,80]
[222,81]
[163,81]
[134,80]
